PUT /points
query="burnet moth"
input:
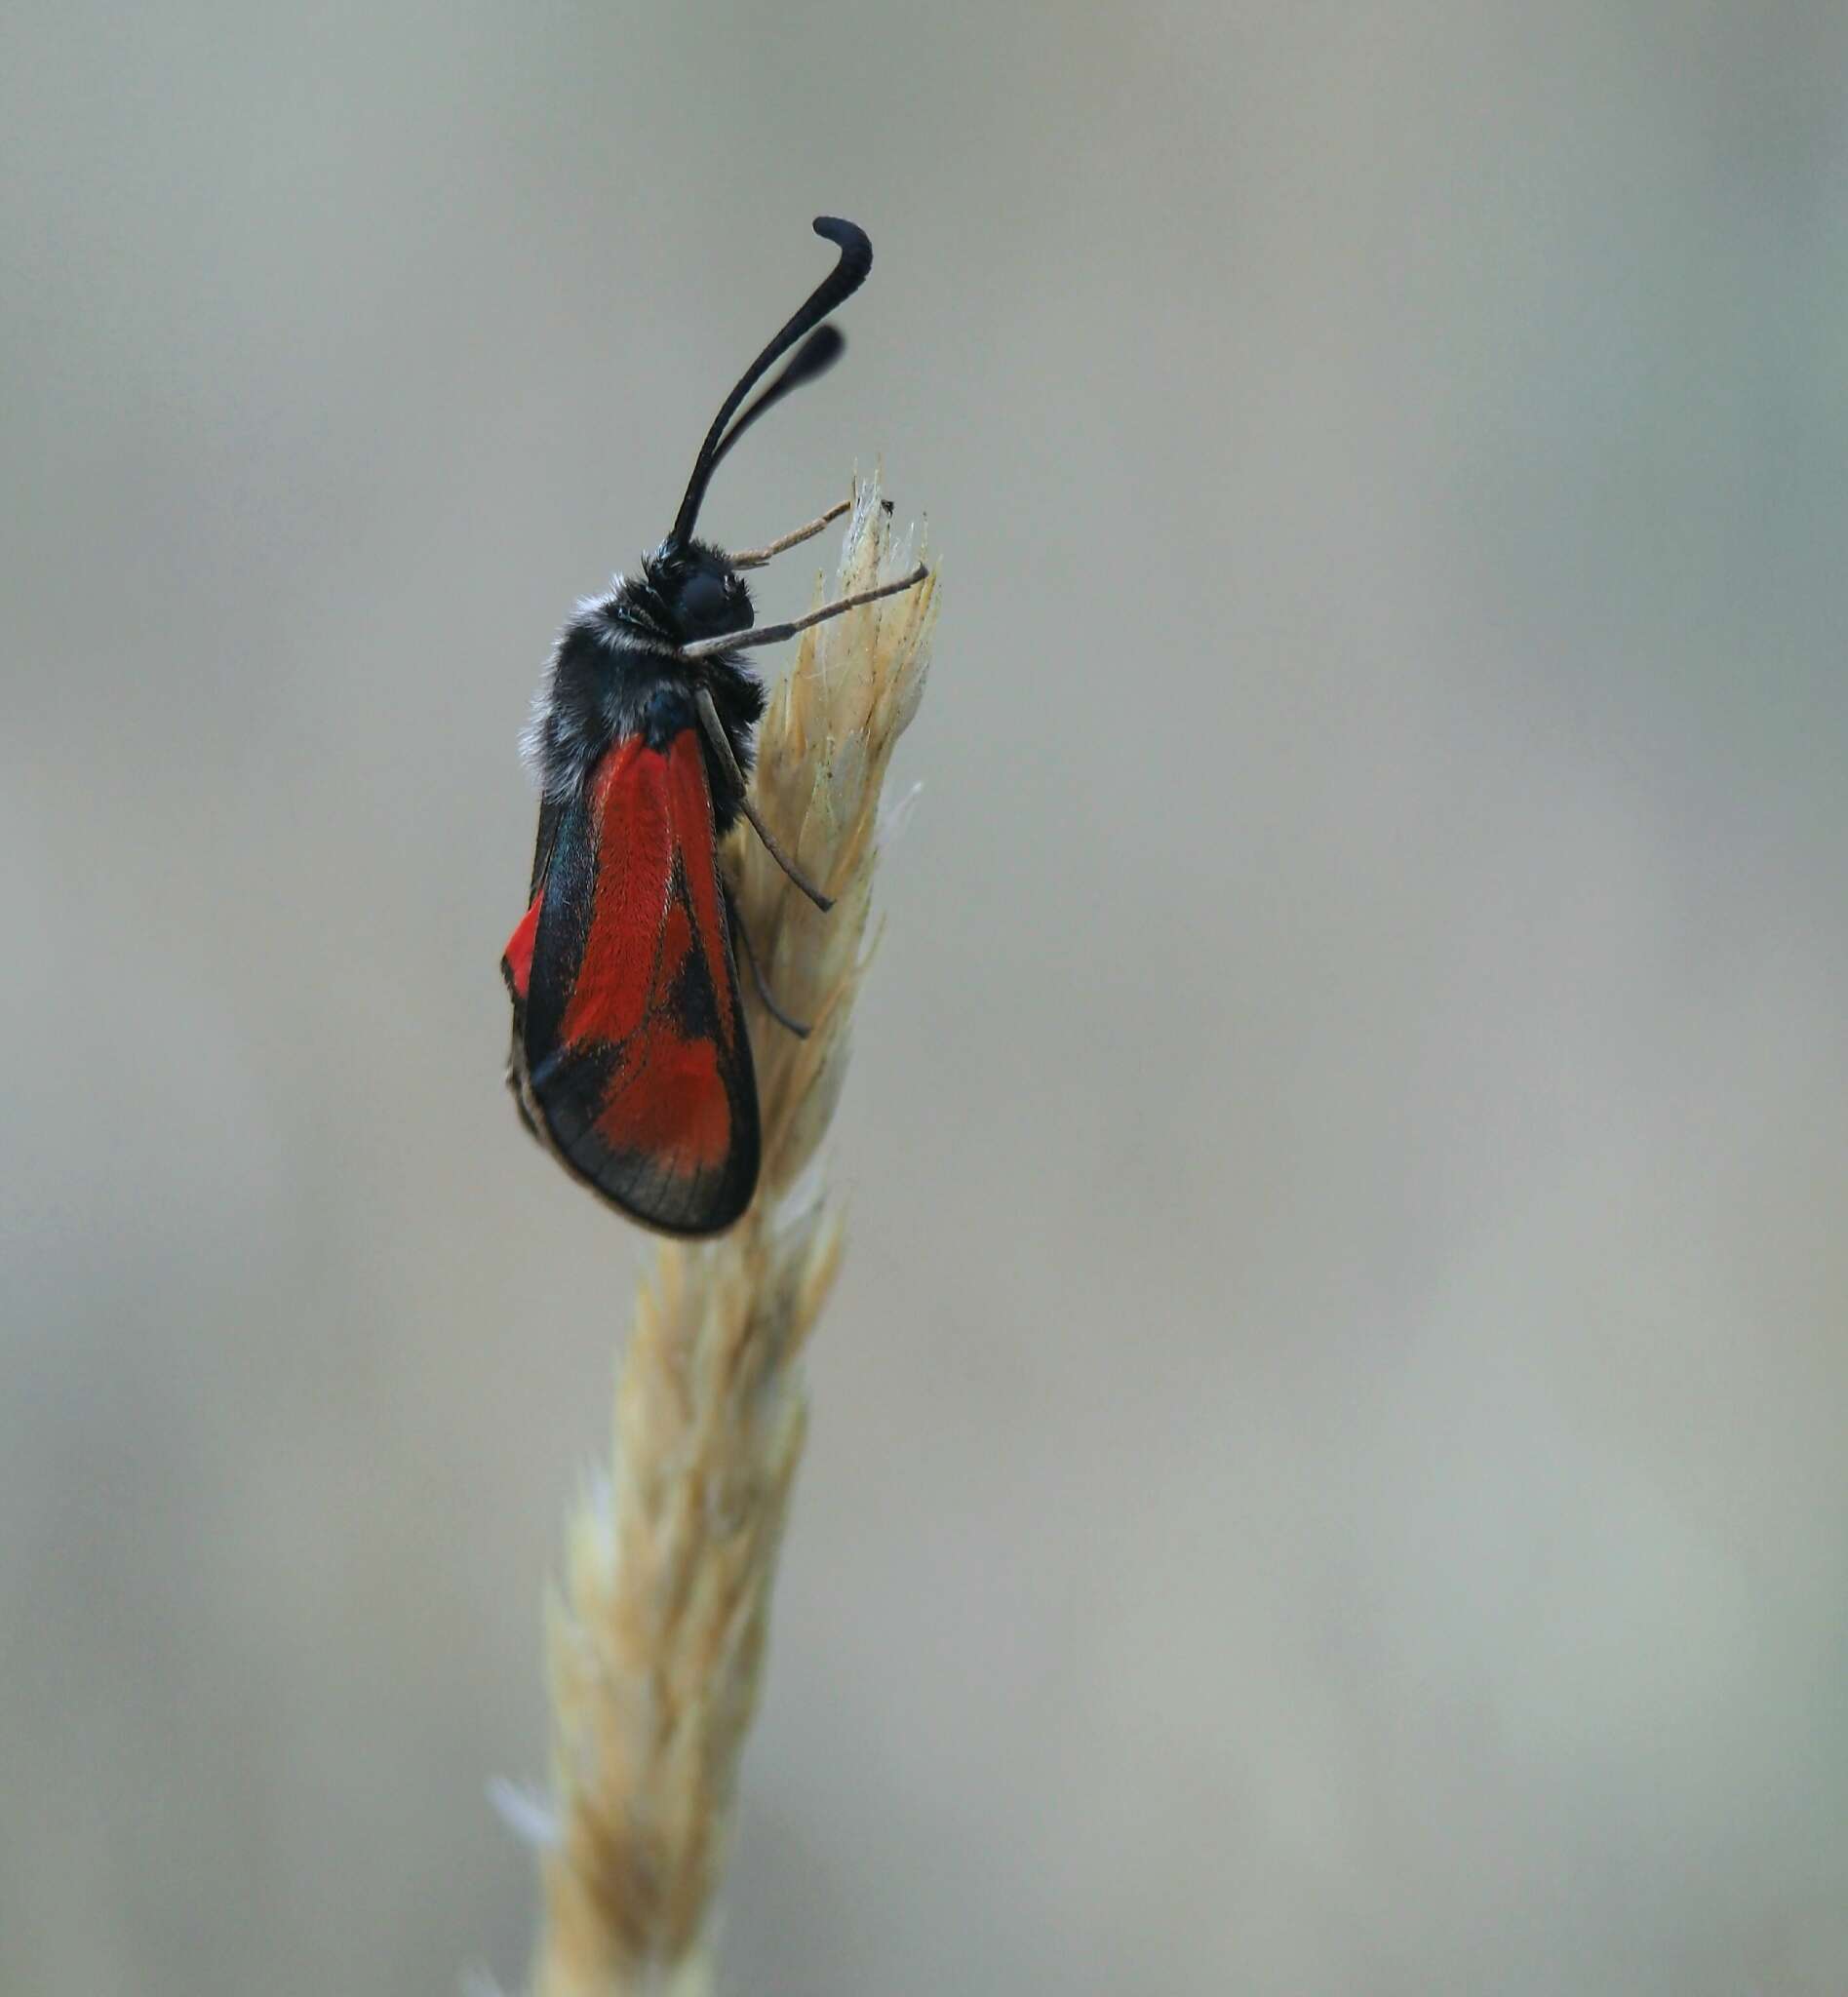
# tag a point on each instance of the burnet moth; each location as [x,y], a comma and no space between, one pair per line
[631,1062]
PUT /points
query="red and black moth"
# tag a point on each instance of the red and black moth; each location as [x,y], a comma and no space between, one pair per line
[631,1062]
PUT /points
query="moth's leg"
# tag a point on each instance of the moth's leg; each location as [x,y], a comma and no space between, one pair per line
[764,990]
[774,634]
[755,558]
[721,742]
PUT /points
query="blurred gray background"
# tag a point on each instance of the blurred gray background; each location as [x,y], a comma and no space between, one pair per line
[1327,1460]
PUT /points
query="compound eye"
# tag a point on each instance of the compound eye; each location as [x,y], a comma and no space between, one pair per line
[703,598]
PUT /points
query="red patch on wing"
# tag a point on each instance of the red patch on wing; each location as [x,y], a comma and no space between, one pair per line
[655,982]
[516,960]
[635,843]
[673,1107]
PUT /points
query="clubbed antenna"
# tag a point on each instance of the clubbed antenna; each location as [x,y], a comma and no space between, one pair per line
[839,285]
[815,355]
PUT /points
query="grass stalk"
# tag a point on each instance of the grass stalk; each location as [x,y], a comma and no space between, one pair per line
[655,1630]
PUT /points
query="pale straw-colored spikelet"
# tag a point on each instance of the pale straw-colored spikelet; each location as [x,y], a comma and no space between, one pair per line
[656,1631]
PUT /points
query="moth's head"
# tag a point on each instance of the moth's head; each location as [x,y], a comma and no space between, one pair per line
[699,590]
